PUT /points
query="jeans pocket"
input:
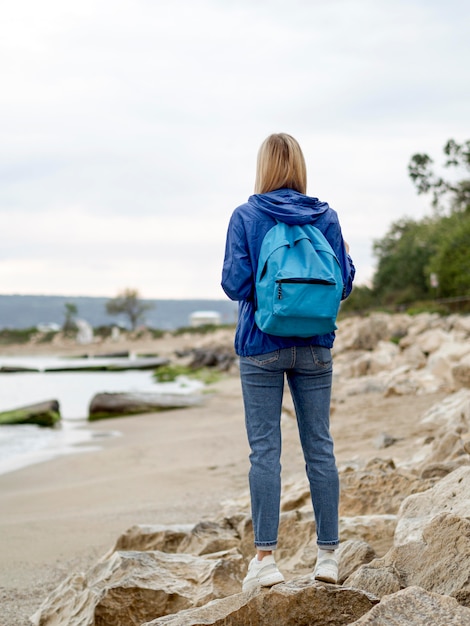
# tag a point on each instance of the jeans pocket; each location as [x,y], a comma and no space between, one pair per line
[321,356]
[264,359]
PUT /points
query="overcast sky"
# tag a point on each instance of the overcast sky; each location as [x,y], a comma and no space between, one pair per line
[129,128]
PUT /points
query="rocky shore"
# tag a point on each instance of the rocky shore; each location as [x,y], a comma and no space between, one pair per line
[401,423]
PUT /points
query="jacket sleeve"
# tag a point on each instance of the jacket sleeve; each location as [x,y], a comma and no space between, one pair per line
[335,238]
[237,272]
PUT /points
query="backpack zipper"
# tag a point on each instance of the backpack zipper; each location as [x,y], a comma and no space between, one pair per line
[306,281]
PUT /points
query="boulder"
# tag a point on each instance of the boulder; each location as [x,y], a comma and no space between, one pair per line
[453,412]
[461,373]
[298,602]
[377,531]
[383,357]
[365,333]
[351,555]
[377,488]
[375,578]
[130,588]
[147,537]
[105,405]
[414,607]
[45,413]
[439,562]
[449,495]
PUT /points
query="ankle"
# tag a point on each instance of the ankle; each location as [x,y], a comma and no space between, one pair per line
[326,553]
[260,554]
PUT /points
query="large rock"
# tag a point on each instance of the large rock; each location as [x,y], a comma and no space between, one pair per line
[439,562]
[378,488]
[375,578]
[130,588]
[363,333]
[449,495]
[147,537]
[351,555]
[461,373]
[416,607]
[377,531]
[42,414]
[297,603]
[105,405]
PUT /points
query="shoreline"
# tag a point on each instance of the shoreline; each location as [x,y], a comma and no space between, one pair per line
[177,467]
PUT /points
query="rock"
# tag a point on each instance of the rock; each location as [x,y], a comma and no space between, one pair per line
[209,537]
[414,356]
[384,440]
[383,357]
[431,340]
[109,364]
[297,602]
[375,530]
[460,323]
[367,332]
[439,470]
[295,495]
[449,495]
[453,412]
[418,325]
[134,587]
[221,358]
[297,551]
[45,413]
[351,555]
[439,561]
[105,405]
[414,607]
[378,488]
[146,537]
[461,373]
[375,578]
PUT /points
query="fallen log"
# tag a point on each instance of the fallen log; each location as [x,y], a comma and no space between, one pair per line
[113,365]
[104,405]
[43,414]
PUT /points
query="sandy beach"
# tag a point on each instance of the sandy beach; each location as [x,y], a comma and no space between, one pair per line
[173,467]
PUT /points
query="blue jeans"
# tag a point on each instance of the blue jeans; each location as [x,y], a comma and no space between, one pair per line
[309,374]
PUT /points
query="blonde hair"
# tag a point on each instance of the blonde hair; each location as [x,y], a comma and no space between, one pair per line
[280,164]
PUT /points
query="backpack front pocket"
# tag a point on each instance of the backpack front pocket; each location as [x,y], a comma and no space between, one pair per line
[305,297]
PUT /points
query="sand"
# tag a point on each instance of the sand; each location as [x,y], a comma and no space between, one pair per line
[173,467]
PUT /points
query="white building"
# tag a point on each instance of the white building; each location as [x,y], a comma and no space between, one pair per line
[203,318]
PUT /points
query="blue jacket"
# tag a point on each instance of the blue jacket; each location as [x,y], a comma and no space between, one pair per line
[248,225]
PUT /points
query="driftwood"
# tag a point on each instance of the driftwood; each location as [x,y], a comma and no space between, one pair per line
[105,405]
[114,365]
[43,414]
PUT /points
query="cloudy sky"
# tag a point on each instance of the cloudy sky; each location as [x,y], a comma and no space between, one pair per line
[129,128]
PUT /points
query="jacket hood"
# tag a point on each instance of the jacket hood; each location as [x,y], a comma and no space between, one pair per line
[289,206]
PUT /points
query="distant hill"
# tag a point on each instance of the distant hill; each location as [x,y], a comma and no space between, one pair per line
[29,311]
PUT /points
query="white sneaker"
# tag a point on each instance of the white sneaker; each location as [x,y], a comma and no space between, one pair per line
[262,573]
[326,569]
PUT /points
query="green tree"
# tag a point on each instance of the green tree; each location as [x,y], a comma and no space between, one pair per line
[403,257]
[451,262]
[129,304]
[455,193]
[70,313]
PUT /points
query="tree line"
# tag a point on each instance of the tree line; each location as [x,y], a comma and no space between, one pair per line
[127,304]
[426,263]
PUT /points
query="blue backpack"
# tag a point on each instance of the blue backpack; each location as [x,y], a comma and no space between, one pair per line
[299,283]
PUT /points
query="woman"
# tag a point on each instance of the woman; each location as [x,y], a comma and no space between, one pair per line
[280,195]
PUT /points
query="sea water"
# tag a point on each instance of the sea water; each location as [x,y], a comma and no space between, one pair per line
[22,445]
